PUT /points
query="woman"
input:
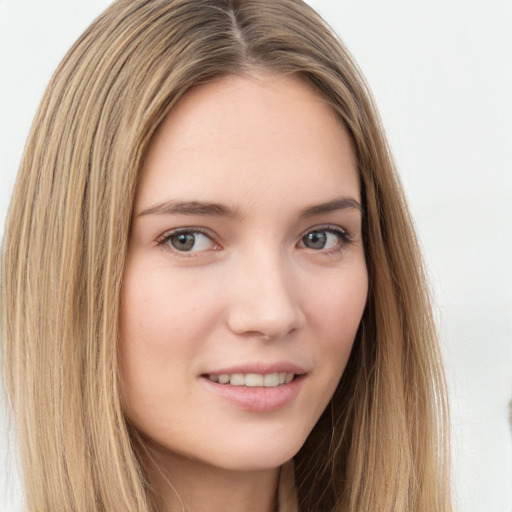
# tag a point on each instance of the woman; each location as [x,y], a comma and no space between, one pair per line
[209,270]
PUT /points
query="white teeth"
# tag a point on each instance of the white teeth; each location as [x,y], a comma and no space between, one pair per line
[223,379]
[252,380]
[269,380]
[237,379]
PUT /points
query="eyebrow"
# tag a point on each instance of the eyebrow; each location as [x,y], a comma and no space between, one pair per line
[190,208]
[219,210]
[340,203]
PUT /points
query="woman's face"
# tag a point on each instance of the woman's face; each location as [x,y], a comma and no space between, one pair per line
[245,269]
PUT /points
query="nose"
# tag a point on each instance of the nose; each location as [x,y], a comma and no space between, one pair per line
[264,297]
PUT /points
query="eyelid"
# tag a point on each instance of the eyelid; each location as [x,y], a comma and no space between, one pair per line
[343,234]
[164,238]
[333,228]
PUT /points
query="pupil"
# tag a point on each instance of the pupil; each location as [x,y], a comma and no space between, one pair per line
[315,240]
[183,242]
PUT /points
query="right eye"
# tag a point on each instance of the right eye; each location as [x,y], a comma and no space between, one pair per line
[187,241]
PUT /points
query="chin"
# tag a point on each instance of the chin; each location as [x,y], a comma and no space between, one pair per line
[254,460]
[251,454]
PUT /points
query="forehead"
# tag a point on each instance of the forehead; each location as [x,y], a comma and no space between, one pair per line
[263,134]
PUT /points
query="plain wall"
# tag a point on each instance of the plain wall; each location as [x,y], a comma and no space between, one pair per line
[441,73]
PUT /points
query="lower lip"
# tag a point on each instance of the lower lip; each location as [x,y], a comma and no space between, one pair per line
[257,399]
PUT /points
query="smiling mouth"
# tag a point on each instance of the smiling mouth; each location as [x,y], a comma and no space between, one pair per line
[253,380]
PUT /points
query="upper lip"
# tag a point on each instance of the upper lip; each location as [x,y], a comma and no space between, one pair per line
[260,368]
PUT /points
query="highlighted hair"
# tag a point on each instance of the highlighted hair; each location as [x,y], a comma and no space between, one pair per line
[380,444]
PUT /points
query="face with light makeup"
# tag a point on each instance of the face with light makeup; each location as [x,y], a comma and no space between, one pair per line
[245,280]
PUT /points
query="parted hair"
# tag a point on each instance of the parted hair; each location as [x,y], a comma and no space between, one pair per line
[380,445]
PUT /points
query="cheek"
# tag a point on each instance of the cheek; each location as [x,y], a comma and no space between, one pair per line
[339,308]
[335,316]
[161,330]
[161,308]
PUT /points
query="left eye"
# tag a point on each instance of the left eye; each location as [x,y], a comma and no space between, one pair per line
[322,239]
[188,241]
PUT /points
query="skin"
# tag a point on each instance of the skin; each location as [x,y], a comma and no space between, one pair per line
[252,291]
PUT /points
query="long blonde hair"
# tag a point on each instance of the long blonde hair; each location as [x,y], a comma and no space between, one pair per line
[380,444]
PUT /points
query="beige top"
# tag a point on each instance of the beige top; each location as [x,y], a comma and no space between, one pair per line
[286,493]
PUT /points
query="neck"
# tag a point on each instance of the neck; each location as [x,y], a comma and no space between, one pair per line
[181,484]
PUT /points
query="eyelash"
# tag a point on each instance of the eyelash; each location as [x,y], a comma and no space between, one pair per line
[164,240]
[342,234]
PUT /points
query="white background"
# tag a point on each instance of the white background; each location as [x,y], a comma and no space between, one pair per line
[441,72]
